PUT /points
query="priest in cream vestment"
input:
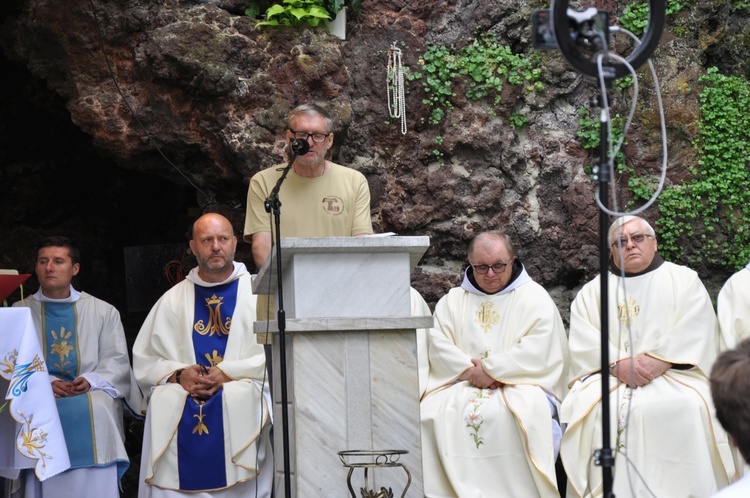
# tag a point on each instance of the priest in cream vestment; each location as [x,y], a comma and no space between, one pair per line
[733,308]
[207,427]
[497,367]
[662,342]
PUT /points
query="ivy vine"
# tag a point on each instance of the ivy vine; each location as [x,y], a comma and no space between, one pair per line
[634,16]
[485,65]
[712,211]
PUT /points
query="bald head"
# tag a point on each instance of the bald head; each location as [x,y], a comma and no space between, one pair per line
[214,245]
[488,239]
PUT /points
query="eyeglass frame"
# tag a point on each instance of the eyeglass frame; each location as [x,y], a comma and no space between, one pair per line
[623,241]
[308,135]
[496,272]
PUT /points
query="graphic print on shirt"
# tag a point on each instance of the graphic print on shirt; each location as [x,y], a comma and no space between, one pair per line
[333,205]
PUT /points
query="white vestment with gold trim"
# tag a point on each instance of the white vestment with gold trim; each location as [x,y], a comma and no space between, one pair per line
[665,437]
[733,308]
[494,442]
[164,345]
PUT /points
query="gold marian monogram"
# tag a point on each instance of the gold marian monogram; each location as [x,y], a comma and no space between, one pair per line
[628,312]
[487,316]
[18,374]
[215,325]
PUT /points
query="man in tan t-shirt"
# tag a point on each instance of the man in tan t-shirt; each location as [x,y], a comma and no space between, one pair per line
[318,197]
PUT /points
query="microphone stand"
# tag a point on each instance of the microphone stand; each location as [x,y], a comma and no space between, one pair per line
[272,203]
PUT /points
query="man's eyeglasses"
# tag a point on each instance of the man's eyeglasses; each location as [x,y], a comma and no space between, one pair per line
[497,267]
[636,238]
[303,135]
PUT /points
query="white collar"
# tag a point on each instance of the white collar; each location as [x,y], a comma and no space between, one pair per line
[239,270]
[73,297]
[469,287]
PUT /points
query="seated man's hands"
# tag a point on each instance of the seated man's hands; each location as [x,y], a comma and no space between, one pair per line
[202,382]
[640,370]
[477,377]
[64,389]
[80,385]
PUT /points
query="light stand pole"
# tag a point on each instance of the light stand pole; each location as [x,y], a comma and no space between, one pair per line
[604,457]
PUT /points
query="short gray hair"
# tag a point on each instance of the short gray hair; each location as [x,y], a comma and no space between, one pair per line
[627,219]
[310,110]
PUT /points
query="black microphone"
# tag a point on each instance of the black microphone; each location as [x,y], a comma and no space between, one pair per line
[300,146]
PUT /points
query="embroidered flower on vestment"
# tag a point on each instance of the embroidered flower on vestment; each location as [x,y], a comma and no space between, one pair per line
[474,419]
[62,348]
[622,422]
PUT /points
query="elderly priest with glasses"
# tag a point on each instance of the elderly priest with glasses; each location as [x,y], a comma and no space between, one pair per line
[662,342]
[497,370]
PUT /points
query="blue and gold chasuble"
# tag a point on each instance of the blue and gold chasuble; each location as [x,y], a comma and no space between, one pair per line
[62,354]
[201,428]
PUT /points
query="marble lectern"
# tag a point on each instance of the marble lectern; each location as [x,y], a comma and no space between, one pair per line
[351,362]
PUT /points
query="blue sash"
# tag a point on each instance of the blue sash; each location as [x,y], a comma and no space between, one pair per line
[214,307]
[200,445]
[200,435]
[60,337]
[78,428]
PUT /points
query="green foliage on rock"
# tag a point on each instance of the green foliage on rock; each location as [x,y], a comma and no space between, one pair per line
[298,13]
[295,13]
[589,134]
[705,220]
[634,16]
[711,213]
[483,66]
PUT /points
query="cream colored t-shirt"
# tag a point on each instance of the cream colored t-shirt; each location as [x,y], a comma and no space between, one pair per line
[336,204]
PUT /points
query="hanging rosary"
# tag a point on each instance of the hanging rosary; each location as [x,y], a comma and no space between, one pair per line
[395,86]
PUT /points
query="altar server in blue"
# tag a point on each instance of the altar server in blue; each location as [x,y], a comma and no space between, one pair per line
[196,355]
[87,358]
